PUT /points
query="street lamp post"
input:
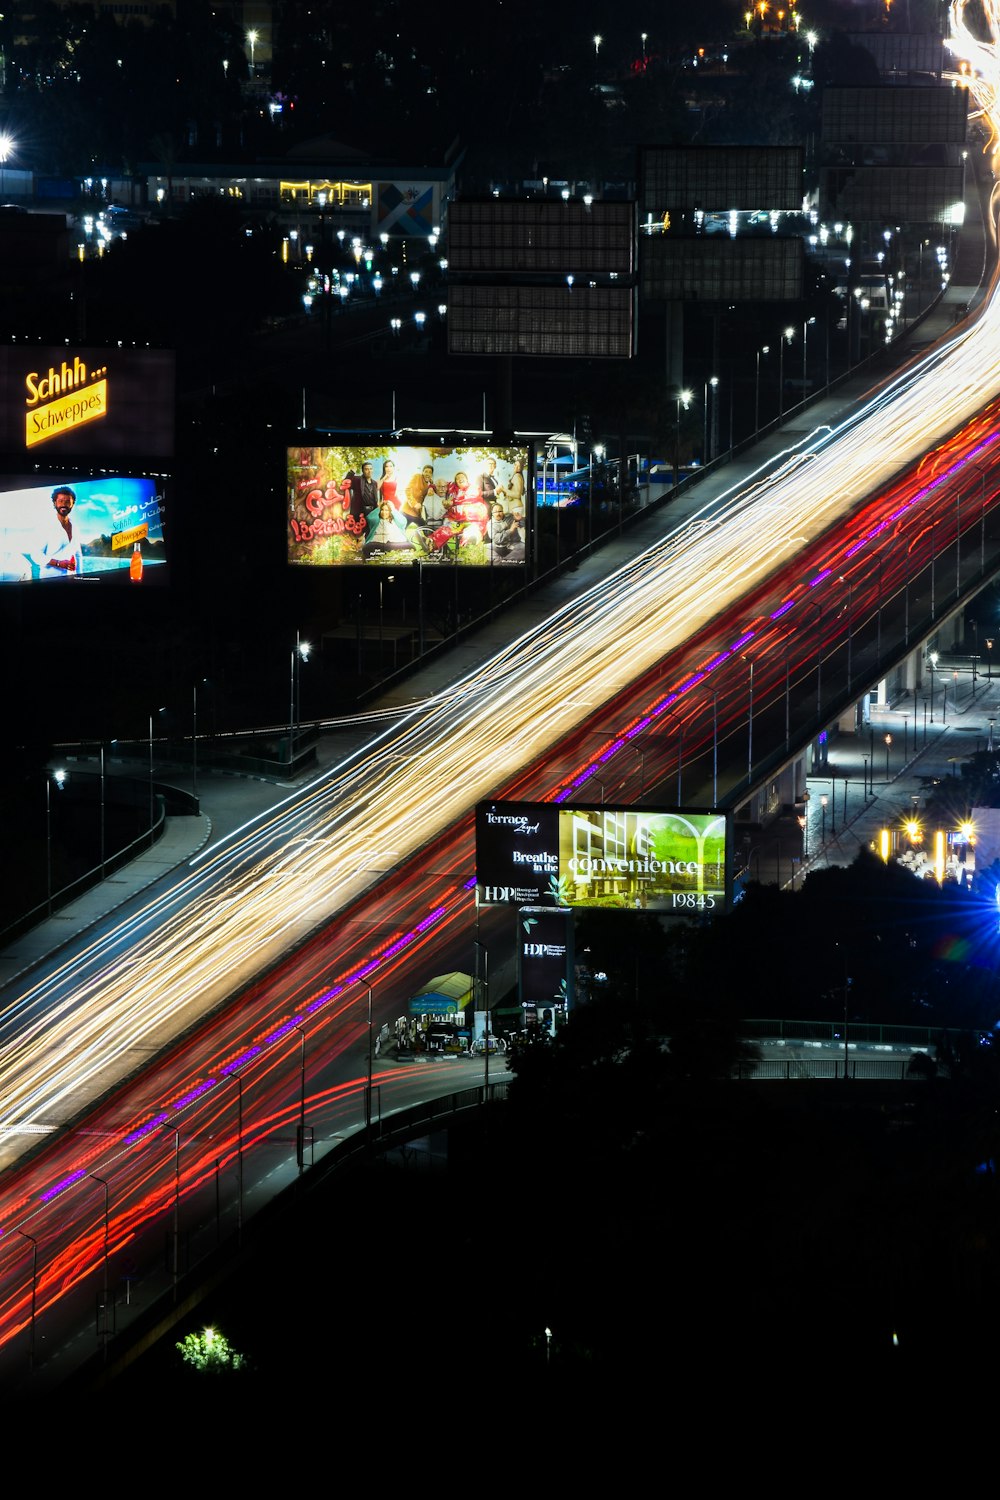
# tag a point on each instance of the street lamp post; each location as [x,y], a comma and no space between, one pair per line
[368,1089]
[933,660]
[34,1293]
[483,989]
[381,582]
[300,1145]
[6,147]
[806,325]
[299,654]
[888,746]
[822,827]
[104,1321]
[597,451]
[59,777]
[252,37]
[707,449]
[683,398]
[750,726]
[161,710]
[756,392]
[103,820]
[989,658]
[787,335]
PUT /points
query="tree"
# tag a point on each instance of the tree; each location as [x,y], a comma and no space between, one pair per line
[210,1352]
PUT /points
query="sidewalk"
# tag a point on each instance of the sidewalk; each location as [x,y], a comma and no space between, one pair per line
[932,751]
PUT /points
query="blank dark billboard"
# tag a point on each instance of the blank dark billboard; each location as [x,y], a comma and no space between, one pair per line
[87,403]
[80,528]
[665,860]
[372,504]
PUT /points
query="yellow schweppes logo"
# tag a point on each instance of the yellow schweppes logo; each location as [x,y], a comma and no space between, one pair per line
[58,400]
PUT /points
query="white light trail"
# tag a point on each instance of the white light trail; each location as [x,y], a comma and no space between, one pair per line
[248,900]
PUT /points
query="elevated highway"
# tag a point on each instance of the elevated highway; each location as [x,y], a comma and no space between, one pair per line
[819,574]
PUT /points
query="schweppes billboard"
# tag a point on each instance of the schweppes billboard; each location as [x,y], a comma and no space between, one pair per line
[87,402]
[63,399]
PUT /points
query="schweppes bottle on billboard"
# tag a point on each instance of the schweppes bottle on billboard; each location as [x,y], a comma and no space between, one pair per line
[135,564]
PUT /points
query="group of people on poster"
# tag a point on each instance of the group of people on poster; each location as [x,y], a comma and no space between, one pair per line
[436,514]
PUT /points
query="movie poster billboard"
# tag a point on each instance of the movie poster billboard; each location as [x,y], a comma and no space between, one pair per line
[80,528]
[383,504]
[669,861]
[69,402]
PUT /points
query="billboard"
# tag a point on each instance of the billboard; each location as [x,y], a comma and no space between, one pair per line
[679,179]
[894,116]
[565,321]
[544,964]
[63,401]
[712,268]
[668,861]
[376,504]
[924,195]
[82,527]
[506,236]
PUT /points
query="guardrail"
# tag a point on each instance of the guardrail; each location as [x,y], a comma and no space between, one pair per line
[861,1070]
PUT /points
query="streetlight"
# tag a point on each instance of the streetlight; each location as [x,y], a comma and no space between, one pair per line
[822,832]
[59,777]
[483,989]
[807,324]
[683,398]
[381,581]
[749,662]
[162,711]
[300,653]
[194,739]
[710,385]
[933,659]
[104,1322]
[6,147]
[253,37]
[597,45]
[34,1291]
[756,395]
[597,450]
[787,335]
[645,34]
[888,744]
[989,658]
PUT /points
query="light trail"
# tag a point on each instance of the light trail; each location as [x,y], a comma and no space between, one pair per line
[254,897]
